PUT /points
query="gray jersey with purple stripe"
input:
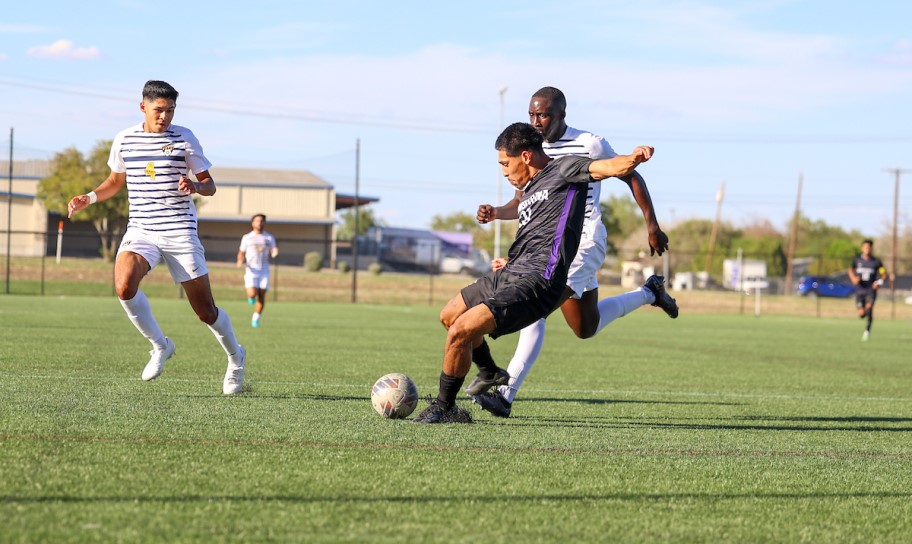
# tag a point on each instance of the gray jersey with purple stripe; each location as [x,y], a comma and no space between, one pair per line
[551,215]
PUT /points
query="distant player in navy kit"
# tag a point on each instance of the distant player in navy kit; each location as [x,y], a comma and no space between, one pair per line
[532,283]
[153,160]
[867,274]
[582,309]
[257,246]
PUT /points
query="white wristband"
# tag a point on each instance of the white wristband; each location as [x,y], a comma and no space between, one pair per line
[93,198]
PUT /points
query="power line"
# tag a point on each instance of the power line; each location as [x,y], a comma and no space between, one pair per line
[285,113]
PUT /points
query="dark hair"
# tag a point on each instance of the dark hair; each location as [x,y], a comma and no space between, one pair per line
[554,95]
[517,138]
[153,90]
[868,241]
[258,215]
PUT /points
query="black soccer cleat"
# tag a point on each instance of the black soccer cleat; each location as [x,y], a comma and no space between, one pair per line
[493,402]
[663,300]
[436,413]
[485,380]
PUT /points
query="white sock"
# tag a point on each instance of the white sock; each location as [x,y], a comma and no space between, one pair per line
[224,333]
[140,313]
[612,308]
[527,350]
[256,315]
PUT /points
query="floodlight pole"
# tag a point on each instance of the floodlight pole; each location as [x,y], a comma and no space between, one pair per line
[497,223]
[793,239]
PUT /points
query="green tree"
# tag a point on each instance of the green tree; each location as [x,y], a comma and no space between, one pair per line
[366,220]
[74,174]
[455,222]
[622,217]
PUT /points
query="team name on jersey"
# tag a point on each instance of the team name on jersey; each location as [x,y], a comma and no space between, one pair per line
[525,212]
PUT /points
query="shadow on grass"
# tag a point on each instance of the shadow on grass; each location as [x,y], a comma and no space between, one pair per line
[630,401]
[609,497]
[606,423]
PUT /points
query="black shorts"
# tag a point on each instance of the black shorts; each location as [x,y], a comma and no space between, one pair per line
[863,297]
[515,301]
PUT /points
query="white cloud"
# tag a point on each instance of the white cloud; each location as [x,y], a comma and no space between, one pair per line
[64,49]
[3,57]
[902,53]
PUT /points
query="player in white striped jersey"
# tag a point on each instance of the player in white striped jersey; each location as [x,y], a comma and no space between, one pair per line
[257,246]
[582,309]
[153,160]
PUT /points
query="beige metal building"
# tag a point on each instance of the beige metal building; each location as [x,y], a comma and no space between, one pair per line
[300,209]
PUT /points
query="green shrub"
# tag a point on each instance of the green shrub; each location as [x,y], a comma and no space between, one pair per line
[375,269]
[343,267]
[313,261]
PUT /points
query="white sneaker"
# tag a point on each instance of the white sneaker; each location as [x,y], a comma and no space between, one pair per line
[865,336]
[234,376]
[157,362]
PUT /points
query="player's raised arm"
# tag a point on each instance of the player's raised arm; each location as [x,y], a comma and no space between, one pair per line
[621,165]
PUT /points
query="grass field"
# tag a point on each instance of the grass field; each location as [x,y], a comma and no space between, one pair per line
[704,429]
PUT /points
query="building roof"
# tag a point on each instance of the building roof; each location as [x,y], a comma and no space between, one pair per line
[32,168]
[260,177]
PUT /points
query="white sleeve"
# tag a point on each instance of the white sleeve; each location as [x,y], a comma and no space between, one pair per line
[115,159]
[243,243]
[196,161]
[599,148]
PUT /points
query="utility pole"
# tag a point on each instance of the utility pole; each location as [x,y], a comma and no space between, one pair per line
[793,238]
[897,173]
[715,228]
[9,215]
[497,223]
[354,293]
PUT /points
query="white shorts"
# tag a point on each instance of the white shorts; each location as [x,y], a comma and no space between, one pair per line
[260,280]
[583,273]
[184,255]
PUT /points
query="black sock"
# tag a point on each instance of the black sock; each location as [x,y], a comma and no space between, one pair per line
[449,388]
[870,320]
[481,356]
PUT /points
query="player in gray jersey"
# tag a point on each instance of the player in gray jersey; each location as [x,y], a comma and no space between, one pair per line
[583,311]
[532,282]
[153,160]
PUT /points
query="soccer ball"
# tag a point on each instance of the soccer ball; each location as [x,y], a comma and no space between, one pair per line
[394,396]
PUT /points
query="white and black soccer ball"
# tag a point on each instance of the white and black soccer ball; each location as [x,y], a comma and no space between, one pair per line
[394,396]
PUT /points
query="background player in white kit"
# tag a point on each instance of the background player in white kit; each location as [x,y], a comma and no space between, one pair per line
[153,160]
[257,246]
[585,314]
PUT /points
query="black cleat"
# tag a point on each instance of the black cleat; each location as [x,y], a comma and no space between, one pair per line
[663,300]
[485,380]
[436,413]
[493,402]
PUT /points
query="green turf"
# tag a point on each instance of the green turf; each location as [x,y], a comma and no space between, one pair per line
[704,429]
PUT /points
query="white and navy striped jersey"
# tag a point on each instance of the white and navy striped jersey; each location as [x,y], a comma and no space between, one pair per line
[256,249]
[551,214]
[585,144]
[153,163]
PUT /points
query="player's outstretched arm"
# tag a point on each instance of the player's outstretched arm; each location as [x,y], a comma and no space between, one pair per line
[108,188]
[620,165]
[658,240]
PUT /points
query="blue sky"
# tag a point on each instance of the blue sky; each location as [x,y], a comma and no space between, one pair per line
[753,94]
